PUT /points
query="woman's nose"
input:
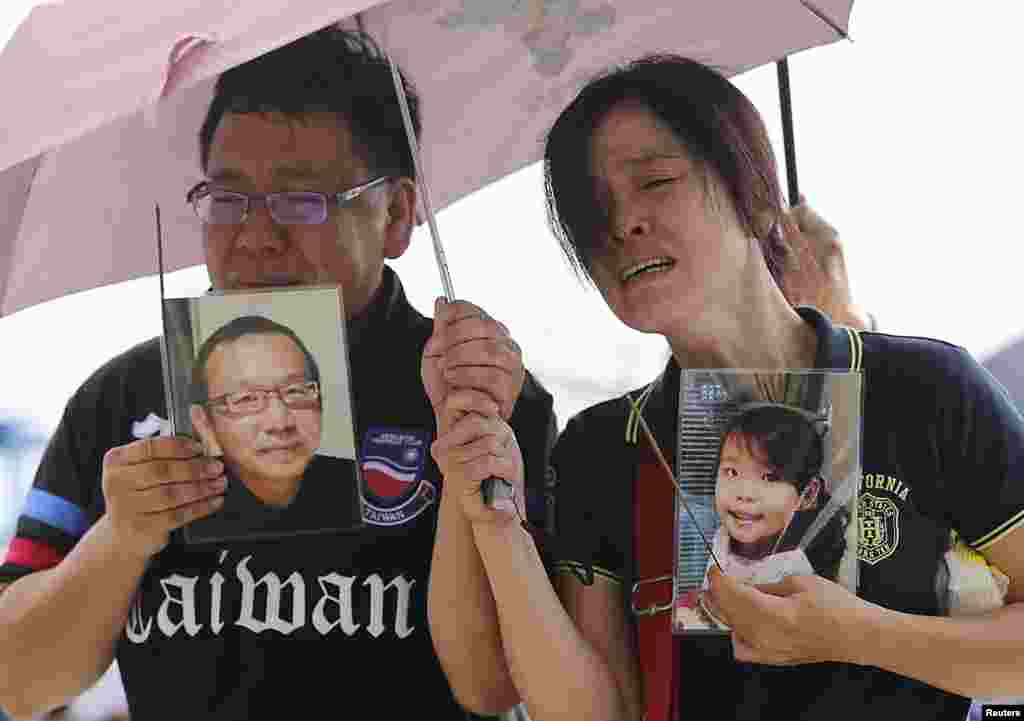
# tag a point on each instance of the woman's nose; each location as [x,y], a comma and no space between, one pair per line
[631,228]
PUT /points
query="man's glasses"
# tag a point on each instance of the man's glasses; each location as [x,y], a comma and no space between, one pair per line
[249,402]
[215,206]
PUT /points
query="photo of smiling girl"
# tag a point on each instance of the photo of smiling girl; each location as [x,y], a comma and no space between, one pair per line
[768,490]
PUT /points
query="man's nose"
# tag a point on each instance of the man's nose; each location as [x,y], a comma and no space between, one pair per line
[259,233]
[278,415]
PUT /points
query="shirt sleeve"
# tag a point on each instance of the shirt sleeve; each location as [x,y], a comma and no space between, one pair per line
[589,472]
[62,503]
[981,455]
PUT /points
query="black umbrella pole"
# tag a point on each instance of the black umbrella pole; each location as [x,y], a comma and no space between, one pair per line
[786,108]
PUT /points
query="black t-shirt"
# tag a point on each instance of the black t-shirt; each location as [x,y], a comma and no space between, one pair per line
[284,627]
[327,499]
[942,449]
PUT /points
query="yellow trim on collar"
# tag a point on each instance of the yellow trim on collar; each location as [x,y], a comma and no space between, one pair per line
[856,349]
[577,569]
[998,532]
[633,420]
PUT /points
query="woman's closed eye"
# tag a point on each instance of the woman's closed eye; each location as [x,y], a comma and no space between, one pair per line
[657,182]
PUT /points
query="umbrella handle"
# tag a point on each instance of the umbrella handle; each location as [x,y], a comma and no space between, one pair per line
[492,489]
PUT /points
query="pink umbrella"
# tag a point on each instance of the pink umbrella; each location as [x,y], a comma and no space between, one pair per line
[105,98]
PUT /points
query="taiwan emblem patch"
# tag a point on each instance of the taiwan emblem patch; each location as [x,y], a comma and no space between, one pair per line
[394,489]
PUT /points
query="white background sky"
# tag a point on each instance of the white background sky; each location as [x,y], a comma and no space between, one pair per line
[908,141]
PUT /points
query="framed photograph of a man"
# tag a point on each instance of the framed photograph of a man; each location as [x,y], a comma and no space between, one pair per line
[769,467]
[261,380]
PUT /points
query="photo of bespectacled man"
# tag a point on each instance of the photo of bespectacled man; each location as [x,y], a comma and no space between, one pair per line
[257,400]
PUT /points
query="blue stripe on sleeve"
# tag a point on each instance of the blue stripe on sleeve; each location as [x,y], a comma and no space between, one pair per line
[56,511]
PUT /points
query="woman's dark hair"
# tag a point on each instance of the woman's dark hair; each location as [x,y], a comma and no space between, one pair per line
[331,70]
[718,125]
[788,440]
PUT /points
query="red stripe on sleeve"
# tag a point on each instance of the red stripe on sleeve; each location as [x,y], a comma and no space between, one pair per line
[32,554]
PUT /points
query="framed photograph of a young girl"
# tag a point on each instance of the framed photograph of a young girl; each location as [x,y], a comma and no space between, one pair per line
[768,466]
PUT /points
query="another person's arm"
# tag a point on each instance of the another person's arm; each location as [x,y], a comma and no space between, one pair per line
[59,625]
[807,619]
[569,657]
[814,269]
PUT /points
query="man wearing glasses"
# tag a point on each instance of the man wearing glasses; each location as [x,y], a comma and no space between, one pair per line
[257,405]
[308,180]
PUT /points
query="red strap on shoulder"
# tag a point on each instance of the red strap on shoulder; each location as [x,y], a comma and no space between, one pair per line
[653,526]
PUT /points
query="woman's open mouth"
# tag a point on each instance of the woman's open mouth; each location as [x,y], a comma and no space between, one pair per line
[651,265]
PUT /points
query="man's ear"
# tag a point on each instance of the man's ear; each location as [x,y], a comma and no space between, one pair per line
[204,429]
[809,498]
[401,217]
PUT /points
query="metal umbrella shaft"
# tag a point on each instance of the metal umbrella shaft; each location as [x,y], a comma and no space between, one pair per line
[492,488]
[428,208]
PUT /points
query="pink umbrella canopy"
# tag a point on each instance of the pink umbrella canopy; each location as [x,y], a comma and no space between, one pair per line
[108,96]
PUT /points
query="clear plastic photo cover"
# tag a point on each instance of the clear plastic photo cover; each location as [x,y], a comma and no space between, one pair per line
[768,465]
[261,379]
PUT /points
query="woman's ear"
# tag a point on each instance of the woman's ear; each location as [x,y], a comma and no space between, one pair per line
[204,429]
[809,497]
[401,217]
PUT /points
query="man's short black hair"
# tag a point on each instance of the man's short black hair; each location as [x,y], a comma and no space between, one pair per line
[239,328]
[331,70]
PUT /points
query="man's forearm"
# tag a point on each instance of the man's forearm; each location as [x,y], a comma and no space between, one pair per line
[59,627]
[975,656]
[463,618]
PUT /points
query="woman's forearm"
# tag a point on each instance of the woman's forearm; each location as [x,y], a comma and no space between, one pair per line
[464,620]
[975,656]
[558,672]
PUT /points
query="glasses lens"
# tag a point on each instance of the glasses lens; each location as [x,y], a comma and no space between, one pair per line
[245,402]
[300,394]
[298,208]
[221,208]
